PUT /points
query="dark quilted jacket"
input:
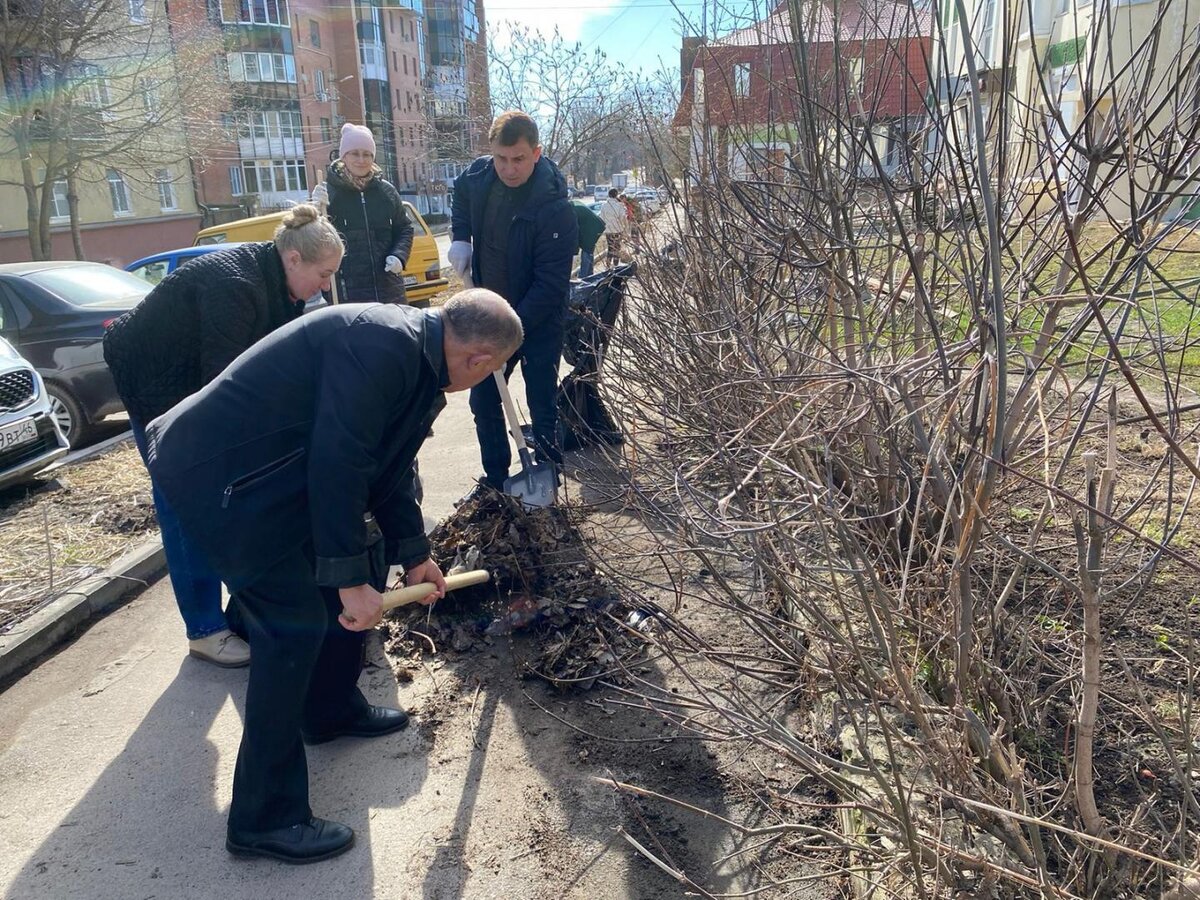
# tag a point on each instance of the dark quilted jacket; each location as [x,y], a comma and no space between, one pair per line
[194,323]
[374,225]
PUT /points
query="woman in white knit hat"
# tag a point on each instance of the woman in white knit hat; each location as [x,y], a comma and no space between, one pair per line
[367,211]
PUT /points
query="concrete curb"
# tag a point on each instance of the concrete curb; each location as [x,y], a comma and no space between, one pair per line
[50,625]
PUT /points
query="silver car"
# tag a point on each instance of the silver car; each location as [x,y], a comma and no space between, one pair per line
[29,437]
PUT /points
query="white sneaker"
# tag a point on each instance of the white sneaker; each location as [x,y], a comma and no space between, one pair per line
[221,648]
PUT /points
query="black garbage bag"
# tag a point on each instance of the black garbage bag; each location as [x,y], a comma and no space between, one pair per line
[591,313]
[583,419]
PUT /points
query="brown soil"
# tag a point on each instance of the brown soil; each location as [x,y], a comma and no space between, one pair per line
[594,723]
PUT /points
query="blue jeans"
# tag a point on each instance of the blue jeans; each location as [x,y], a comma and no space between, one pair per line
[539,364]
[587,260]
[197,588]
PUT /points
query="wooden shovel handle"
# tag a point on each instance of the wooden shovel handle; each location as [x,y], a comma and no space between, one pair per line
[510,409]
[417,592]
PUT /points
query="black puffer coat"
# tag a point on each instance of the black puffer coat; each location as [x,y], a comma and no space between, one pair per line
[194,323]
[374,226]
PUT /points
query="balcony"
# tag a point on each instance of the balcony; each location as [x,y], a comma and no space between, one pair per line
[373,61]
[281,199]
[270,148]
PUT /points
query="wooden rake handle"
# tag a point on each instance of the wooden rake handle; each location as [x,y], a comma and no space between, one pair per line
[417,592]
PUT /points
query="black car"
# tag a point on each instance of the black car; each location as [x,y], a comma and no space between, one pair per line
[55,314]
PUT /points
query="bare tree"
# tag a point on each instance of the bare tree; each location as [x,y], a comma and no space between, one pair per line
[862,397]
[580,98]
[100,86]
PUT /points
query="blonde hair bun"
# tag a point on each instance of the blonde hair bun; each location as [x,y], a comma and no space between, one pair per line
[305,230]
[301,215]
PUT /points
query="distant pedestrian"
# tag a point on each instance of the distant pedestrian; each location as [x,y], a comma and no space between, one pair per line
[193,324]
[367,211]
[514,233]
[591,227]
[616,226]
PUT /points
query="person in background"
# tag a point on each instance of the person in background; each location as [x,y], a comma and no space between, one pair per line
[367,211]
[273,468]
[514,233]
[591,227]
[616,226]
[193,324]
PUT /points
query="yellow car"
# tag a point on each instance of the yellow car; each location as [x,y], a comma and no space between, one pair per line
[422,273]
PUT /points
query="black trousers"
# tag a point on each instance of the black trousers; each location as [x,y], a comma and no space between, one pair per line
[304,669]
[539,357]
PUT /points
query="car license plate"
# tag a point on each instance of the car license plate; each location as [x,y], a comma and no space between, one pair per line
[410,280]
[17,433]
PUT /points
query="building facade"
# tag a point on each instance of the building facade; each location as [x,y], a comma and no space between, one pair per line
[741,94]
[97,125]
[1037,64]
[458,91]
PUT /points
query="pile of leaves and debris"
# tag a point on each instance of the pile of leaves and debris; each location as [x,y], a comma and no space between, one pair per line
[575,629]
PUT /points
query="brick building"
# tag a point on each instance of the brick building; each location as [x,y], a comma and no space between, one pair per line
[742,93]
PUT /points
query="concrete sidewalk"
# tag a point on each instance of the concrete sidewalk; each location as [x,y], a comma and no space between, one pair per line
[117,754]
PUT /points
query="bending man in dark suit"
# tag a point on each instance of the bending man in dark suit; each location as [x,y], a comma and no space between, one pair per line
[272,469]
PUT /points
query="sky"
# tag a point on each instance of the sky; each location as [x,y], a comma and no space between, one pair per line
[642,34]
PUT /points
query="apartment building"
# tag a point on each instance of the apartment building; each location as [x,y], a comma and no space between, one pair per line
[260,160]
[105,117]
[298,70]
[459,96]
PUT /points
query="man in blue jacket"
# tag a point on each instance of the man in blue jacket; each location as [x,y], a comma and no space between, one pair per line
[514,232]
[272,469]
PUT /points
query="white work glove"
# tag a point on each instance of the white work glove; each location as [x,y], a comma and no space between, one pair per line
[459,255]
[393,265]
[320,194]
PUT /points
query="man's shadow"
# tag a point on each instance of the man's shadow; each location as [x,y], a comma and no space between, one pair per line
[153,823]
[626,743]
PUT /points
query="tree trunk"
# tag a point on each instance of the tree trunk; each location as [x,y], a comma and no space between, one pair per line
[73,206]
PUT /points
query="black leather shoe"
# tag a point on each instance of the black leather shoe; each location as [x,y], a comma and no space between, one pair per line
[308,842]
[373,722]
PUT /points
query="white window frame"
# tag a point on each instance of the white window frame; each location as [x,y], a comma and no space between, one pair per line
[270,175]
[279,68]
[118,194]
[150,100]
[741,80]
[319,83]
[237,181]
[167,200]
[259,12]
[58,194]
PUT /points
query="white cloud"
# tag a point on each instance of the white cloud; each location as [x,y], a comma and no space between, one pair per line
[544,15]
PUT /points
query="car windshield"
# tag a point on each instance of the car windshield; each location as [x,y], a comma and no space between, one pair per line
[92,285]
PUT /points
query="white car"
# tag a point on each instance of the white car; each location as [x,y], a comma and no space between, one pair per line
[30,439]
[647,198]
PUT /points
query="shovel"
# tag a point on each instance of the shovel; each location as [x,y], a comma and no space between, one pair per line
[534,484]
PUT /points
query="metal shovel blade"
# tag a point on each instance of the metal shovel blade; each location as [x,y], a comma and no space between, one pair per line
[533,485]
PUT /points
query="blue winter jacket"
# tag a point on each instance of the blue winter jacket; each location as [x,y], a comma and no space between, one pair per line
[541,241]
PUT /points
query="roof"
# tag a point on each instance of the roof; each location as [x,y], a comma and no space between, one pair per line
[24,268]
[849,20]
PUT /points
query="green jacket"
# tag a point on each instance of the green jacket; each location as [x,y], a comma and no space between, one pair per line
[590,227]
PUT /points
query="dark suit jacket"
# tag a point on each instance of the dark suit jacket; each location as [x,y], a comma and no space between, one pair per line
[303,434]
